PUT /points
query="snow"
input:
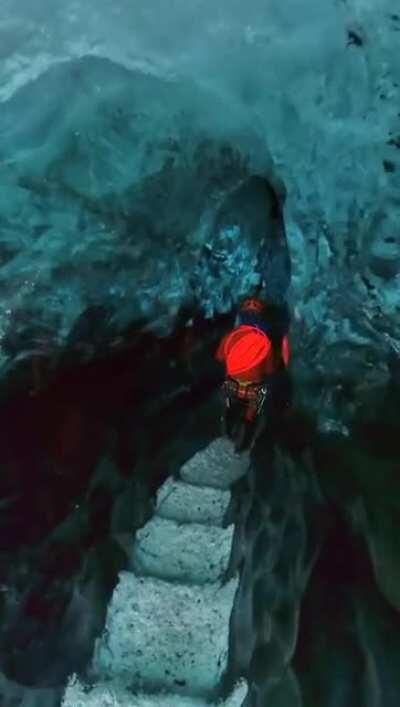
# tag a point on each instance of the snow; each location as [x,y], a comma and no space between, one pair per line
[182,552]
[186,502]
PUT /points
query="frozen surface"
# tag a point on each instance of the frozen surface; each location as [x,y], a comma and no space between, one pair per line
[335,99]
[174,108]
[167,626]
[216,466]
[126,134]
[162,635]
[105,695]
[188,503]
[187,552]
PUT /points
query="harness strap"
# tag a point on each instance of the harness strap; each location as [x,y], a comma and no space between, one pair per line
[252,394]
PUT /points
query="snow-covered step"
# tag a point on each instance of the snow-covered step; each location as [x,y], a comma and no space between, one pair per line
[189,553]
[113,695]
[163,636]
[215,466]
[186,503]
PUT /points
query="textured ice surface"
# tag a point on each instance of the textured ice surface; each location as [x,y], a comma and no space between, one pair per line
[167,625]
[160,635]
[110,195]
[124,130]
[188,503]
[332,99]
[187,552]
[112,695]
[275,550]
[216,466]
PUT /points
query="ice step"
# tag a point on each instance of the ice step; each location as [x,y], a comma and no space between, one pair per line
[186,503]
[188,553]
[112,695]
[215,466]
[164,636]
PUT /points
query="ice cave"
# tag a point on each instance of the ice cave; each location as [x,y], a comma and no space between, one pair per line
[160,163]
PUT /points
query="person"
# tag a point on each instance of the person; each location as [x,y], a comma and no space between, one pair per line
[255,355]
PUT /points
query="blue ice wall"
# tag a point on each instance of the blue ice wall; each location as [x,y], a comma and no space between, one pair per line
[108,110]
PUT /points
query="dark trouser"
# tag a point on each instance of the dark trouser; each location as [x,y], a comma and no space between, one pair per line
[241,430]
[235,425]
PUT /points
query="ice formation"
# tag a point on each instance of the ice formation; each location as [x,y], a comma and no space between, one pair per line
[160,156]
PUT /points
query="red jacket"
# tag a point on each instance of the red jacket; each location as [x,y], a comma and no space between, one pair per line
[263,360]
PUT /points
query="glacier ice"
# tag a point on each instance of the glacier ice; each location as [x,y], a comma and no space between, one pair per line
[128,132]
[167,626]
[284,86]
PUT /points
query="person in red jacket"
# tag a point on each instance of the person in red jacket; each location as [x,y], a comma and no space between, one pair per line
[254,353]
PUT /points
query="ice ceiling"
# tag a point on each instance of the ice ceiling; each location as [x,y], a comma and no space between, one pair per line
[125,125]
